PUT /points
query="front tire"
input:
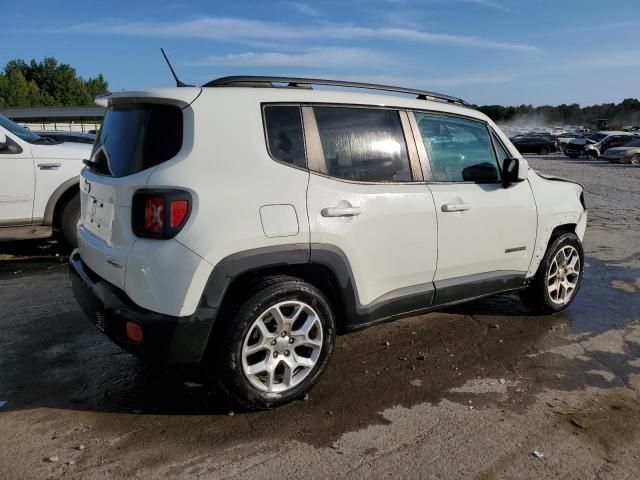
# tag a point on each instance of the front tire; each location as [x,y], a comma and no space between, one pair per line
[69,220]
[559,276]
[275,344]
[635,159]
[543,151]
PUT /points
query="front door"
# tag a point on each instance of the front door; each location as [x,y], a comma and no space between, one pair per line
[364,204]
[486,232]
[16,182]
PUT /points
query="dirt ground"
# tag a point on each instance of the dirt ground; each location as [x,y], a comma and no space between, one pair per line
[469,392]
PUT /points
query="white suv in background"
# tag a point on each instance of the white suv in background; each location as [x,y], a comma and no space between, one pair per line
[38,184]
[239,226]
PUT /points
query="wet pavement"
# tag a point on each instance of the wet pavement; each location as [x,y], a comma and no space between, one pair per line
[469,392]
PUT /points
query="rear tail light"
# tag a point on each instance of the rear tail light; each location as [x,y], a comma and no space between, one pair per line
[160,213]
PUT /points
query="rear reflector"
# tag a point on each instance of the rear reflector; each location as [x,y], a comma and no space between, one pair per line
[179,210]
[134,332]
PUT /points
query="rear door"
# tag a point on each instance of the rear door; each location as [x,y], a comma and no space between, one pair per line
[365,200]
[17,182]
[486,232]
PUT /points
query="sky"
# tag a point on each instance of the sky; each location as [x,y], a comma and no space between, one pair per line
[506,52]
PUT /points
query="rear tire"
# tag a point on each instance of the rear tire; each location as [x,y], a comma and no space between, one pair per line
[275,342]
[558,278]
[635,159]
[543,151]
[69,220]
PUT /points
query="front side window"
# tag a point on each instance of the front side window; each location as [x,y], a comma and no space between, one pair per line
[500,150]
[285,138]
[459,149]
[363,144]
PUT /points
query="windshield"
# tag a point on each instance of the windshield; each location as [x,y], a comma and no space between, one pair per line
[596,137]
[21,132]
[135,137]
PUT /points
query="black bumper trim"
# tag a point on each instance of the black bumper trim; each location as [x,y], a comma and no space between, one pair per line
[170,340]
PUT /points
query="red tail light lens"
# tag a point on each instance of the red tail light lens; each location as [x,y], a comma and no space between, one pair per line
[179,210]
[160,213]
[154,214]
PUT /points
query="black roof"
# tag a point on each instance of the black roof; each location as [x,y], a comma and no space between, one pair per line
[298,82]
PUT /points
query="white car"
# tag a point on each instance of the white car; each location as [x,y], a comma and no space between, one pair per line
[38,184]
[239,226]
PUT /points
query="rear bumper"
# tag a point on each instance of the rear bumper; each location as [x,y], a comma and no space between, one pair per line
[173,341]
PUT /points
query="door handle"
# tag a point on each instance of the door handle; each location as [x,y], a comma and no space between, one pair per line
[455,207]
[341,211]
[49,166]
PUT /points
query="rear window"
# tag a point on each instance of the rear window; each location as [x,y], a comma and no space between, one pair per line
[136,137]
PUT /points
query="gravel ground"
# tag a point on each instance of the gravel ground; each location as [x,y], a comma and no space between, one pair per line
[469,392]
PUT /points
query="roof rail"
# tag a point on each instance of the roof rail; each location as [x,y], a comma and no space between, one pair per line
[297,82]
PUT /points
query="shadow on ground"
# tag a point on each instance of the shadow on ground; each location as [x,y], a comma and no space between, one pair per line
[56,359]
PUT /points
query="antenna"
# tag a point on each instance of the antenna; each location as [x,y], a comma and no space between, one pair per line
[179,83]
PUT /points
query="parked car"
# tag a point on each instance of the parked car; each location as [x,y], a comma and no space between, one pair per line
[596,144]
[239,227]
[565,137]
[38,184]
[73,137]
[630,153]
[534,144]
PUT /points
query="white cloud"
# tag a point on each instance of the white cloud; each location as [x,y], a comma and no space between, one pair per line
[328,57]
[255,31]
[489,4]
[304,9]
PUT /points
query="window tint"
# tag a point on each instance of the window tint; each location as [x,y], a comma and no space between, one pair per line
[136,137]
[459,149]
[363,144]
[285,138]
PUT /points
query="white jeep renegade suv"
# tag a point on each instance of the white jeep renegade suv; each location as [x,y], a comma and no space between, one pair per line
[239,226]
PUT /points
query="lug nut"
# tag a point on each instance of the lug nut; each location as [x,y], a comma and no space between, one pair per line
[286,354]
[291,340]
[275,354]
[273,342]
[284,334]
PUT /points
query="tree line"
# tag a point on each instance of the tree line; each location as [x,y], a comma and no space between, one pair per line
[51,83]
[47,83]
[626,112]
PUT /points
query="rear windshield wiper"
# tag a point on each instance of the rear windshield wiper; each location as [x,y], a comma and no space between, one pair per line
[96,167]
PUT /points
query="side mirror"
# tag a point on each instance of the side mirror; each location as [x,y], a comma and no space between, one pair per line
[514,170]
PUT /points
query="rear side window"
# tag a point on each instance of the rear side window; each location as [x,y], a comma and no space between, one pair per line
[285,138]
[459,149]
[136,137]
[363,144]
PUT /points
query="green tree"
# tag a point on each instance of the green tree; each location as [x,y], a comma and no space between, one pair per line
[48,83]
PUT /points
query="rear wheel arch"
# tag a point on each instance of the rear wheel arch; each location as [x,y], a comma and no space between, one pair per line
[237,274]
[58,200]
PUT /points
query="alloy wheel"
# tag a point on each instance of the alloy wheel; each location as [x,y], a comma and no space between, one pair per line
[282,346]
[563,276]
